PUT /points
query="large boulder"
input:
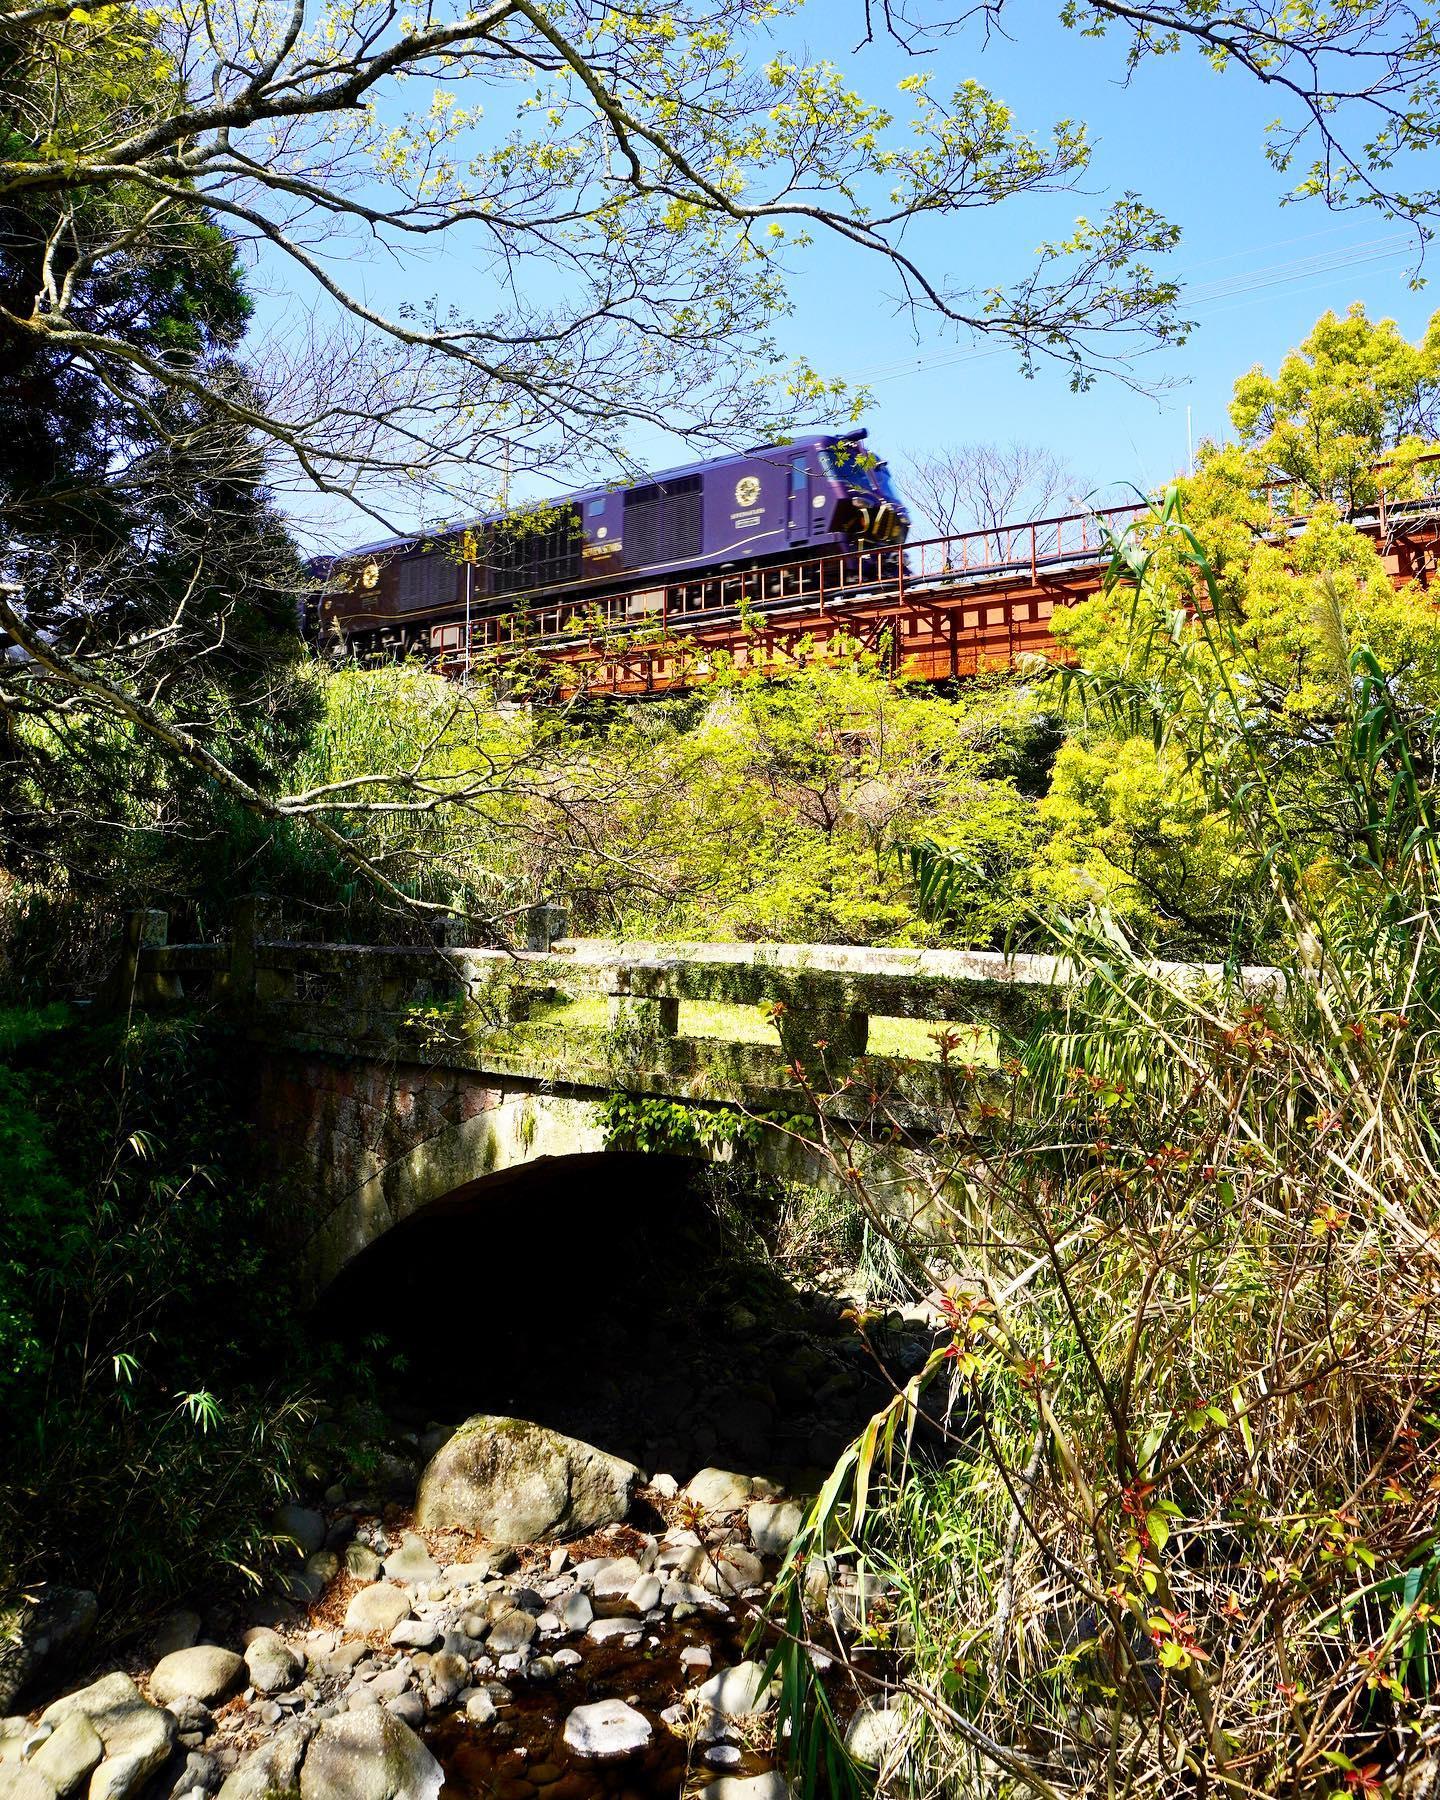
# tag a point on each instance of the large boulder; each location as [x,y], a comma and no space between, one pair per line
[514,1482]
[40,1633]
[127,1724]
[272,1769]
[69,1754]
[368,1755]
[204,1671]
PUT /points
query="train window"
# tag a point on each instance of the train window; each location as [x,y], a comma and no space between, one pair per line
[425,580]
[664,522]
[799,475]
[596,508]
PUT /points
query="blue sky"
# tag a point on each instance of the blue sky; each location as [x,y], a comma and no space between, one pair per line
[1257,273]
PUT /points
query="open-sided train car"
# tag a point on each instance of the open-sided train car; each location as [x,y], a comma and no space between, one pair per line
[772,505]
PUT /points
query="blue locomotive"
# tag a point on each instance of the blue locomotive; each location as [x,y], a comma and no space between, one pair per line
[777,505]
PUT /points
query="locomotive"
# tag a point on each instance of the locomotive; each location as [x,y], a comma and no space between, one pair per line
[685,531]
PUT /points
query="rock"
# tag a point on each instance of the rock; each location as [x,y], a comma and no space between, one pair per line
[614,1579]
[369,1755]
[40,1634]
[18,1781]
[191,1714]
[877,1735]
[205,1670]
[273,1769]
[449,1674]
[415,1634]
[480,1708]
[512,1631]
[129,1726]
[378,1608]
[408,1708]
[722,1490]
[515,1482]
[731,1571]
[274,1667]
[736,1693]
[69,1754]
[179,1632]
[605,1729]
[117,1778]
[695,1656]
[362,1562]
[323,1566]
[644,1594]
[770,1786]
[577,1612]
[773,1525]
[723,1756]
[201,1775]
[603,1631]
[666,1486]
[412,1562]
[302,1525]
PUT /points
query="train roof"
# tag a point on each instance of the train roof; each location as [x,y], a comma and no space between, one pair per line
[807,441]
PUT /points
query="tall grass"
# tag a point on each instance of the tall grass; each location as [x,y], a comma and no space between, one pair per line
[1160,1514]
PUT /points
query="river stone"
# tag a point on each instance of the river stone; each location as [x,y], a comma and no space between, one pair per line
[126,1721]
[769,1786]
[274,1667]
[773,1525]
[722,1490]
[19,1781]
[876,1735]
[40,1634]
[377,1609]
[412,1561]
[733,1569]
[362,1562]
[514,1482]
[369,1755]
[614,1579]
[272,1770]
[117,1778]
[178,1632]
[736,1693]
[577,1612]
[606,1728]
[302,1525]
[205,1670]
[512,1631]
[69,1754]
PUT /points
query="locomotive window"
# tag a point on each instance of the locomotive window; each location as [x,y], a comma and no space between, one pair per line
[426,580]
[799,475]
[524,557]
[595,508]
[664,522]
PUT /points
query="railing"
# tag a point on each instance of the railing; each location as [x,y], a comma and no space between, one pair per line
[829,581]
[356,998]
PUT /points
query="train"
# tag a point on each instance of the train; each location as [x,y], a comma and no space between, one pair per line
[625,550]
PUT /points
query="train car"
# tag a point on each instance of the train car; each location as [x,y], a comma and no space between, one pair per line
[778,504]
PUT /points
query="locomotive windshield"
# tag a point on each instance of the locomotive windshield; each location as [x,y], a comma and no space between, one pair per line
[852,463]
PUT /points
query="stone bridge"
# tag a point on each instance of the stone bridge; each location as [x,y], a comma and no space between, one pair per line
[385,1081]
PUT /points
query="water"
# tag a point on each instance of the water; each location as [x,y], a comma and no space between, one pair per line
[521,1755]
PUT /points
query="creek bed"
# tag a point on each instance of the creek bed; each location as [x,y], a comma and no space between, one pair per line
[522,1755]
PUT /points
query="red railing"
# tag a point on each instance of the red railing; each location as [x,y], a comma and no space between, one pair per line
[824,583]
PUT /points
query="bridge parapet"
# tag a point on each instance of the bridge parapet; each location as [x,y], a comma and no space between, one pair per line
[600,1014]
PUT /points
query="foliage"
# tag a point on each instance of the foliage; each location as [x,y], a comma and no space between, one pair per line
[1347,414]
[1131,824]
[1158,1512]
[151,1413]
[761,807]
